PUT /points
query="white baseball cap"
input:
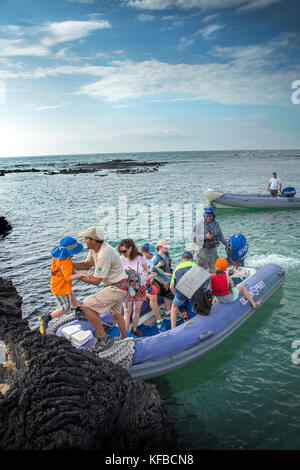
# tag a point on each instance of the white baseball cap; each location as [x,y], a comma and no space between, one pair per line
[97,233]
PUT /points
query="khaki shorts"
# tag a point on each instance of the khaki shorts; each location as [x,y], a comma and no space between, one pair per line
[109,299]
[207,260]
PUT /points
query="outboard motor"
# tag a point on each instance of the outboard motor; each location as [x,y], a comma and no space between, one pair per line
[288,192]
[236,255]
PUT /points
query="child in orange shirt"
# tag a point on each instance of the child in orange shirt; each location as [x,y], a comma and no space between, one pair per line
[62,276]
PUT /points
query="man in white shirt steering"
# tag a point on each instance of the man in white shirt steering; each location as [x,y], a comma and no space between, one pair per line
[274,185]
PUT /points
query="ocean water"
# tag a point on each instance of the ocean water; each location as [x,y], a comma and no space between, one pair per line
[245,393]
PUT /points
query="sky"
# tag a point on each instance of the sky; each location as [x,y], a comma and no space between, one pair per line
[110,76]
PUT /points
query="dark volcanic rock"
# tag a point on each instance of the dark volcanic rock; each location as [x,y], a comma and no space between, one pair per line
[120,166]
[58,397]
[5,226]
[20,170]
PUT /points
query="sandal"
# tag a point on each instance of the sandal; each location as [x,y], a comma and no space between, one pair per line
[138,333]
[258,304]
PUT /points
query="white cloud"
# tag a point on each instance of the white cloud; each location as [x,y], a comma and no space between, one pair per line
[56,33]
[257,4]
[209,30]
[203,4]
[248,78]
[209,18]
[37,40]
[257,74]
[43,72]
[144,18]
[17,47]
[47,107]
[143,133]
[184,43]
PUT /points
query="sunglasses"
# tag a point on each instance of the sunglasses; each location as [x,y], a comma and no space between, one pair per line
[123,251]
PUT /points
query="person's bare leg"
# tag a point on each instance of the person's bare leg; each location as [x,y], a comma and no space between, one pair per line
[154,306]
[57,313]
[127,307]
[74,303]
[247,295]
[174,311]
[121,323]
[168,304]
[94,320]
[136,314]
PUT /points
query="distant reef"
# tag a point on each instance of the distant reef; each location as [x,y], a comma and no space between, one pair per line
[56,397]
[5,227]
[118,166]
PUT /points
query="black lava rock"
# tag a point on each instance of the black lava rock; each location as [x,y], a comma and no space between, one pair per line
[61,398]
[5,226]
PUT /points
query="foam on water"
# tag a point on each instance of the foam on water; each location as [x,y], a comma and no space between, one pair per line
[257,261]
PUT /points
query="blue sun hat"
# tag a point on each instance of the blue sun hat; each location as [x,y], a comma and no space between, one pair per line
[67,247]
[209,211]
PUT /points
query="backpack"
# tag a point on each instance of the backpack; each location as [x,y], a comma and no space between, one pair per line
[134,282]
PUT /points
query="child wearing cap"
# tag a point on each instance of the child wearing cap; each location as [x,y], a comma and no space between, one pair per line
[62,276]
[223,288]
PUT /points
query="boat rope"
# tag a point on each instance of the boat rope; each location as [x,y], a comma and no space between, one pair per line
[120,353]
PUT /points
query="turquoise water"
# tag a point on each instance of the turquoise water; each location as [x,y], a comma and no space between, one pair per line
[245,393]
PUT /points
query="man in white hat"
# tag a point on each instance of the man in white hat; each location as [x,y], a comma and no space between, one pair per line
[108,269]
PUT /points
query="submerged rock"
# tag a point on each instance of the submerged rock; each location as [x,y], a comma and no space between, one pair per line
[57,397]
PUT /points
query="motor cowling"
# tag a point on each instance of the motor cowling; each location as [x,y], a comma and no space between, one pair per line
[239,249]
[288,192]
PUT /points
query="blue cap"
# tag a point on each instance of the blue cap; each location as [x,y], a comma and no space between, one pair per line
[149,248]
[187,254]
[67,247]
[209,211]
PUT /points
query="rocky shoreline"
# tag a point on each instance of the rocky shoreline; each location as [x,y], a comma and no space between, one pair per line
[127,166]
[56,397]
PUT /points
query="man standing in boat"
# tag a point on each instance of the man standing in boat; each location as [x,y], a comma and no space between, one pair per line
[207,236]
[108,269]
[274,185]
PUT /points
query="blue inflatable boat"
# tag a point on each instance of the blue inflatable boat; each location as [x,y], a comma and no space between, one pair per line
[159,353]
[251,201]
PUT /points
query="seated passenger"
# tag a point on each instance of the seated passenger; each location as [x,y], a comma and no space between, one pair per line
[223,288]
[180,299]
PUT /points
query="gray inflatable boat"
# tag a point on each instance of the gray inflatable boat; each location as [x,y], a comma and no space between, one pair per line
[249,201]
